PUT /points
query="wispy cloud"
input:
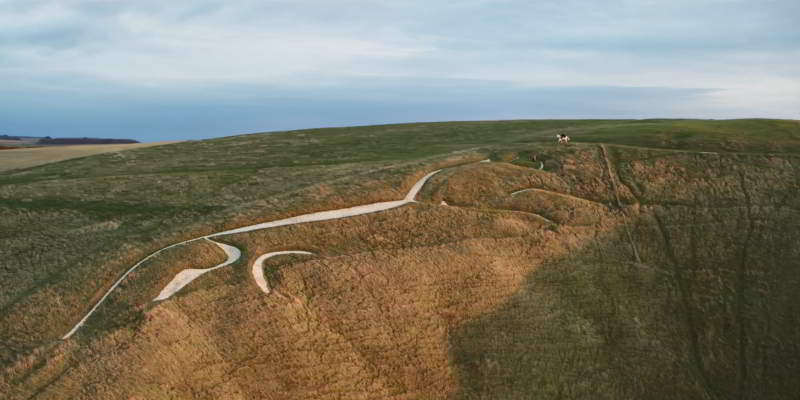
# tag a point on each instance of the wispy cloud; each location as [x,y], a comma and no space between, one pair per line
[727,58]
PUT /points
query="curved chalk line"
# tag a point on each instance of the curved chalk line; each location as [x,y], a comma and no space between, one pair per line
[183,278]
[114,286]
[333,214]
[521,191]
[258,267]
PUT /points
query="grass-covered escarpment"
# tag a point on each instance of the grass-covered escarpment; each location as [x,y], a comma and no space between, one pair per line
[707,311]
[661,264]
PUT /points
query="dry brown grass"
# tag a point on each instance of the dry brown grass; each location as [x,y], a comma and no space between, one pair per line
[478,300]
[369,315]
[704,315]
[62,244]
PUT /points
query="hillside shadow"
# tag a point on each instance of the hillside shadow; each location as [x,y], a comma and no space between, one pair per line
[685,323]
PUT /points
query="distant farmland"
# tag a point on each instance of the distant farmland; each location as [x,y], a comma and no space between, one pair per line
[67,141]
[31,157]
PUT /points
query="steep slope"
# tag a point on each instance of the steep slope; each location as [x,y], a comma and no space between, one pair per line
[710,312]
[615,272]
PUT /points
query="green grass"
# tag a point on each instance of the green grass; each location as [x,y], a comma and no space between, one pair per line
[745,135]
[710,313]
[68,229]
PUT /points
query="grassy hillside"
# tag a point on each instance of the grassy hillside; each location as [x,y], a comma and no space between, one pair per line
[661,264]
[745,135]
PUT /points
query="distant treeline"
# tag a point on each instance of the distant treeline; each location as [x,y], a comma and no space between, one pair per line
[49,140]
[6,137]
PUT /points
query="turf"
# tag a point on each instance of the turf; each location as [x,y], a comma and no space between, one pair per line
[70,228]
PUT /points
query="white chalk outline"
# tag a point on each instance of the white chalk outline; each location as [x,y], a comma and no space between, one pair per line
[234,253]
[258,267]
[186,276]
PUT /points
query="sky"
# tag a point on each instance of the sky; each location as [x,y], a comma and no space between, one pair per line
[172,70]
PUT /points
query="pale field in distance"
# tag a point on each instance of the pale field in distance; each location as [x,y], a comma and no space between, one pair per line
[31,157]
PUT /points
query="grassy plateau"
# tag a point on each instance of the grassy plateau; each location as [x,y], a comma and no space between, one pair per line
[647,259]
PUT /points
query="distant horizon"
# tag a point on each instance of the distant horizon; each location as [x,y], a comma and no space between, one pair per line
[150,70]
[167,139]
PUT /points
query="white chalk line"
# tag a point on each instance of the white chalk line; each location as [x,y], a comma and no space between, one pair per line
[521,191]
[312,217]
[333,214]
[258,267]
[114,286]
[186,276]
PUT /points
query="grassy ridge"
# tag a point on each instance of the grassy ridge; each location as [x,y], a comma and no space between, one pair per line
[746,135]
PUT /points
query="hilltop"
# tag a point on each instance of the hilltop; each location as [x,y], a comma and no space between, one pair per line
[649,258]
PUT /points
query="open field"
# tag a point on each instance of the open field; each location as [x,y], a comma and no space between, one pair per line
[26,142]
[31,157]
[660,264]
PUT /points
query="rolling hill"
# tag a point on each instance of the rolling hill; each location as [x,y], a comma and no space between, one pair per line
[647,259]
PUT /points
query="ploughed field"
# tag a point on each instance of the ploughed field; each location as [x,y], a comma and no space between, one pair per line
[647,259]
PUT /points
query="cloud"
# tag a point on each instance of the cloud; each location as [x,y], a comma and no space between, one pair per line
[258,108]
[747,52]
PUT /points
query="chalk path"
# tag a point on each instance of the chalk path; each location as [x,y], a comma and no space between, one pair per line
[186,276]
[521,191]
[258,267]
[334,214]
[114,286]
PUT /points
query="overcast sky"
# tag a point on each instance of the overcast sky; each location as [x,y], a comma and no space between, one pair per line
[159,70]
